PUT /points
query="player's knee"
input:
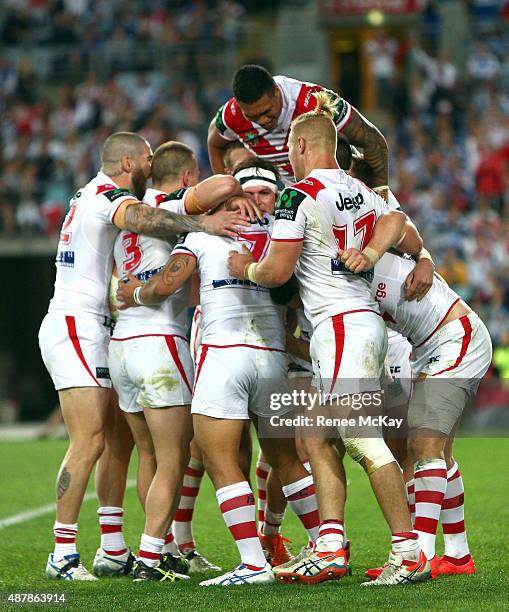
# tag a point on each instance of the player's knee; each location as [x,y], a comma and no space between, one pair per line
[425,447]
[371,453]
[88,448]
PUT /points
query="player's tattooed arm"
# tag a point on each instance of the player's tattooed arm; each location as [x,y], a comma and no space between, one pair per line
[165,225]
[163,284]
[363,133]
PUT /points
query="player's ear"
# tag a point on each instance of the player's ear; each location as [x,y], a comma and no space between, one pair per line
[301,143]
[186,178]
[126,164]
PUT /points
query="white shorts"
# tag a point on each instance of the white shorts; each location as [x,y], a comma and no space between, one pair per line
[74,349]
[233,381]
[455,361]
[461,350]
[153,371]
[348,352]
[398,382]
[196,333]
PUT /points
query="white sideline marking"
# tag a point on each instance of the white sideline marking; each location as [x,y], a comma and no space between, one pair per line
[22,517]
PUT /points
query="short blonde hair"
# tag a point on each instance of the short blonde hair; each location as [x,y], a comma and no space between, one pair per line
[318,123]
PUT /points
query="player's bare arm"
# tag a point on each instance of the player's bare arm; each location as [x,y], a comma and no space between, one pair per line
[175,273]
[363,133]
[420,279]
[216,145]
[389,230]
[273,270]
[165,225]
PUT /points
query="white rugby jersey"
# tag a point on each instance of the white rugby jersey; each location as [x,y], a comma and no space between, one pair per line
[328,211]
[233,311]
[84,258]
[297,99]
[417,321]
[144,257]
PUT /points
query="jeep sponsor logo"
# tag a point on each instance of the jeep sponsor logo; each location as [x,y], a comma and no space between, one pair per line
[434,359]
[395,369]
[350,203]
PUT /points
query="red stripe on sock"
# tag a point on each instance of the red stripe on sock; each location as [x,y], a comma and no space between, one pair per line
[149,555]
[411,489]
[300,495]
[104,515]
[310,519]
[62,540]
[242,531]
[115,553]
[460,561]
[110,528]
[184,515]
[453,502]
[262,494]
[169,538]
[237,502]
[261,473]
[429,497]
[192,472]
[430,473]
[458,527]
[425,524]
[406,535]
[189,491]
[330,530]
[454,476]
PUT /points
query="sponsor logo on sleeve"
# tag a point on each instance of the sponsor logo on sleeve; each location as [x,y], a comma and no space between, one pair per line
[115,194]
[288,204]
[102,373]
[65,259]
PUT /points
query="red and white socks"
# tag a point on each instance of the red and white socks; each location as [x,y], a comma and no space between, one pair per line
[170,546]
[430,482]
[65,540]
[111,520]
[150,550]
[262,473]
[272,523]
[330,536]
[182,523]
[410,495]
[452,516]
[236,502]
[406,544]
[302,500]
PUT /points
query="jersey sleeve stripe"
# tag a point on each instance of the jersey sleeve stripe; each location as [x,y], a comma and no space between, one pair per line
[341,124]
[182,250]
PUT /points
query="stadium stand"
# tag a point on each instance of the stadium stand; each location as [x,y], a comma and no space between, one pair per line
[73,71]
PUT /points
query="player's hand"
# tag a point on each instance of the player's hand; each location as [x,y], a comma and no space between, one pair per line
[420,280]
[356,261]
[245,206]
[224,223]
[125,292]
[237,262]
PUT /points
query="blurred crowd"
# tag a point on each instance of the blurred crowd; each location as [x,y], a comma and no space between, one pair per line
[447,125]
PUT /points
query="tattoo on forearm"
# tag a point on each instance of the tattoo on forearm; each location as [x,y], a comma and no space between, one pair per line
[64,480]
[159,223]
[168,280]
[361,132]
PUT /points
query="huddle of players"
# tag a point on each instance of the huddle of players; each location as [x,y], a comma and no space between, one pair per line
[242,354]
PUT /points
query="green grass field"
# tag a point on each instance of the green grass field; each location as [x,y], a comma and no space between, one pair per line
[28,473]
